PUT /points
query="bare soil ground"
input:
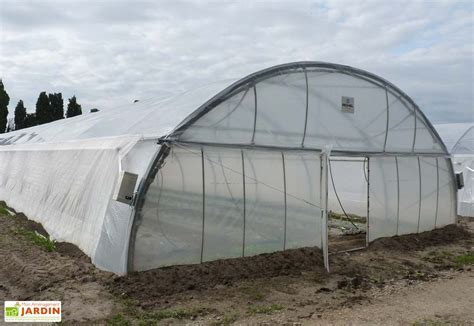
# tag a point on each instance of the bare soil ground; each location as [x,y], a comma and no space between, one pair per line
[424,279]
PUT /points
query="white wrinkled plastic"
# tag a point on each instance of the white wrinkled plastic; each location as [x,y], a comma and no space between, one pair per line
[409,208]
[63,174]
[66,187]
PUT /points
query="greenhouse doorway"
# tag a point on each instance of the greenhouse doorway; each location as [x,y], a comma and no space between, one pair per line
[348,182]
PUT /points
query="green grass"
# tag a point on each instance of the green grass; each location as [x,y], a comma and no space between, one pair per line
[4,209]
[467,259]
[37,238]
[180,313]
[118,320]
[136,316]
[33,236]
[264,309]
[130,307]
[450,260]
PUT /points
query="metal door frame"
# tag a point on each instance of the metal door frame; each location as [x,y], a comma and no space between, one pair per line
[324,195]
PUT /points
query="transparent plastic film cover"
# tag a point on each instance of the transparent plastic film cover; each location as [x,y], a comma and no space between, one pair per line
[210,203]
[429,193]
[345,111]
[170,230]
[447,200]
[383,219]
[312,108]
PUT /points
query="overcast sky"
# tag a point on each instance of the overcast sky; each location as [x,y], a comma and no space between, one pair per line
[109,53]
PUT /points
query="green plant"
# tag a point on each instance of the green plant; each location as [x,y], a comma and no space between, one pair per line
[4,211]
[264,309]
[118,320]
[130,307]
[38,239]
[180,313]
[466,259]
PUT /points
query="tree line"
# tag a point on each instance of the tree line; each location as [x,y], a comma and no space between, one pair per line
[49,107]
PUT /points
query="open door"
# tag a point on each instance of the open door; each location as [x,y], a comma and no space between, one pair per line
[347,207]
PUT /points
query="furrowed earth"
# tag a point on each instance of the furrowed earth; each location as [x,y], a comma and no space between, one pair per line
[424,279]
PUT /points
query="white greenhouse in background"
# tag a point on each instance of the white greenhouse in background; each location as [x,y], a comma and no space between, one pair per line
[459,138]
[230,169]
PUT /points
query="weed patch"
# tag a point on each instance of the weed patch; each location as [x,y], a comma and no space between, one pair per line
[37,238]
[264,309]
[467,259]
[141,317]
[181,313]
[118,320]
[5,210]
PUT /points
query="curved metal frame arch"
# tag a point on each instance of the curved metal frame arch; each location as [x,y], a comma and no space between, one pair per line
[461,138]
[303,66]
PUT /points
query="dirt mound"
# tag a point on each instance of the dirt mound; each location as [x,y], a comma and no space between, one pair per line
[32,272]
[30,225]
[152,284]
[31,268]
[448,234]
[70,250]
[176,279]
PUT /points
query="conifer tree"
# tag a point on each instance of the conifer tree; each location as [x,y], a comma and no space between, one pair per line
[73,108]
[4,101]
[20,115]
[43,112]
[56,106]
[30,120]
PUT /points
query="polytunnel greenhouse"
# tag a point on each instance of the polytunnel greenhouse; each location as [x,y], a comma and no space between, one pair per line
[231,169]
[463,160]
